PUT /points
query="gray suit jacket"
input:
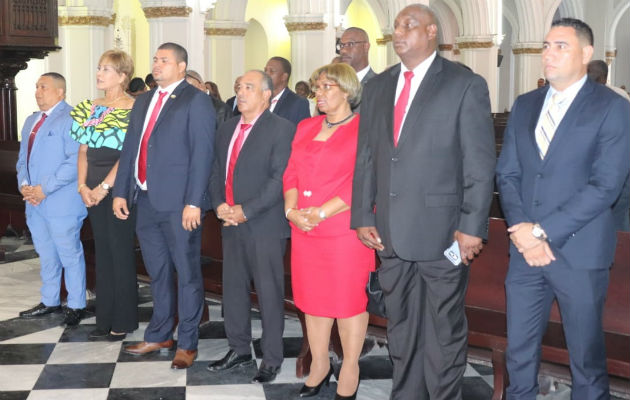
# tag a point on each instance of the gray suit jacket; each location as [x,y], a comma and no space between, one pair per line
[440,176]
[258,172]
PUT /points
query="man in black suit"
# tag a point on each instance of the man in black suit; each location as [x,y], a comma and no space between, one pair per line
[418,188]
[246,192]
[231,104]
[164,171]
[354,48]
[284,102]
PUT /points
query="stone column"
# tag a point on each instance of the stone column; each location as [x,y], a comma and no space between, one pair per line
[528,66]
[611,55]
[85,32]
[176,23]
[480,54]
[225,53]
[446,50]
[312,43]
[385,44]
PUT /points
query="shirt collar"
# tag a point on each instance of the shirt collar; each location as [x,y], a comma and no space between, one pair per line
[570,92]
[421,68]
[170,88]
[278,96]
[361,74]
[51,109]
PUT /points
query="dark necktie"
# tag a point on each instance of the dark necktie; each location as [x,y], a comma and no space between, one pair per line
[31,138]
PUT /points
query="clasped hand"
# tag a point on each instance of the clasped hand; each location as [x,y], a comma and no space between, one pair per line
[305,219]
[32,194]
[92,197]
[231,215]
[536,252]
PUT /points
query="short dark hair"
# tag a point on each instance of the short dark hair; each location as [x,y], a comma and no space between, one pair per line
[583,31]
[180,53]
[597,70]
[149,79]
[286,65]
[58,78]
[136,84]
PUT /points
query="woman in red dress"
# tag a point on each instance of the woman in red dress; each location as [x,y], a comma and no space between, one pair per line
[329,265]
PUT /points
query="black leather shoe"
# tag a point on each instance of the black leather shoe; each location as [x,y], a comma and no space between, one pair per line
[98,334]
[230,361]
[310,391]
[73,316]
[115,337]
[39,310]
[265,374]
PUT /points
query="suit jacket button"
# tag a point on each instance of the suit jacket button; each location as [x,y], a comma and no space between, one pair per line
[394,159]
[536,203]
[392,194]
[538,175]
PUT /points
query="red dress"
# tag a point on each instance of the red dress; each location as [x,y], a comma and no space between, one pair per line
[329,265]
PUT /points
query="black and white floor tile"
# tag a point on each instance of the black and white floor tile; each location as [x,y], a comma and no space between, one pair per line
[41,360]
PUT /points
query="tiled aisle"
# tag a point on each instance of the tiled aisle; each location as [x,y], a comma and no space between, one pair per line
[41,360]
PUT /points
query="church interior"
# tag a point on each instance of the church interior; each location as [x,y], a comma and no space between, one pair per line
[501,40]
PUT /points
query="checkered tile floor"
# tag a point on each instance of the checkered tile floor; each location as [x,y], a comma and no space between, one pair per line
[39,359]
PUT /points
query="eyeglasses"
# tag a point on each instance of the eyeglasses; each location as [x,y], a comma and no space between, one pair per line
[350,45]
[325,87]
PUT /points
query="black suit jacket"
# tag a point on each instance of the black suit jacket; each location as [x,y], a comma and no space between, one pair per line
[258,172]
[180,150]
[370,74]
[440,176]
[292,107]
[231,109]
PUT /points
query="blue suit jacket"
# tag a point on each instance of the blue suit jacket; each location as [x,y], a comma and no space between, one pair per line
[179,157]
[53,163]
[292,107]
[571,191]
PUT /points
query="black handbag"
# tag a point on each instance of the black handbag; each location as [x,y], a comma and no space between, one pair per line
[376,302]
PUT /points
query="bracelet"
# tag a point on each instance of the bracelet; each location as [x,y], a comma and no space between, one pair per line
[81,187]
[287,211]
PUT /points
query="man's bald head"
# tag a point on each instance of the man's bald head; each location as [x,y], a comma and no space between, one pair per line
[415,34]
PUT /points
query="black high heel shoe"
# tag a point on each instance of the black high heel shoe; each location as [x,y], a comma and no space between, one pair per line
[310,391]
[352,397]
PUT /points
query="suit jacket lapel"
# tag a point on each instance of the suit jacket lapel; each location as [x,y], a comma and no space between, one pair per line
[538,104]
[567,122]
[281,101]
[389,99]
[169,103]
[425,92]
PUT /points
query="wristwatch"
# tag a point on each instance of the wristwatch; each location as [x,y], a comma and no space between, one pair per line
[322,213]
[538,232]
[105,186]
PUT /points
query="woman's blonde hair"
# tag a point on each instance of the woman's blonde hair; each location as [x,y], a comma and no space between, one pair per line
[122,63]
[344,76]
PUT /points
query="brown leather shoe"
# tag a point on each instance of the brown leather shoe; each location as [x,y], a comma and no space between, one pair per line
[183,359]
[147,347]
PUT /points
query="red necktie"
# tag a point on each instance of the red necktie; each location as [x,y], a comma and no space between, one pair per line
[142,158]
[31,138]
[236,148]
[401,106]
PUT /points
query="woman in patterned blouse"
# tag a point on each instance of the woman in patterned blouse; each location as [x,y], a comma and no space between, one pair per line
[100,126]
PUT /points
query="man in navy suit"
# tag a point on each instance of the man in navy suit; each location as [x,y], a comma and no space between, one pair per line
[47,178]
[562,166]
[164,171]
[284,102]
